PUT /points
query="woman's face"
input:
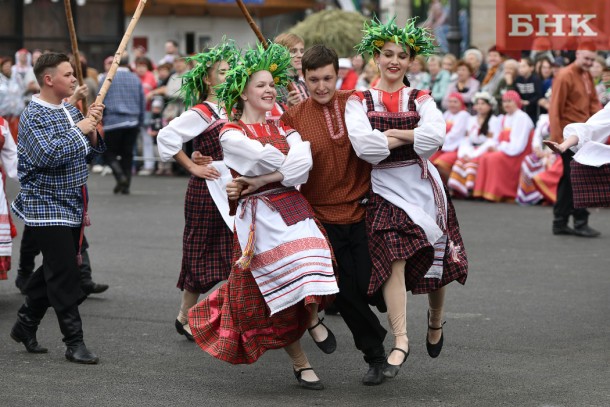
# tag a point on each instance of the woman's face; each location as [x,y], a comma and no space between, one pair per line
[260,92]
[217,74]
[415,67]
[433,67]
[482,107]
[597,69]
[6,68]
[357,62]
[141,69]
[448,64]
[509,106]
[525,69]
[545,69]
[463,73]
[393,62]
[454,105]
[296,55]
[370,72]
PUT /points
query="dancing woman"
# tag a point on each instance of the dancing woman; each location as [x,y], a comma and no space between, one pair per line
[283,271]
[414,236]
[207,240]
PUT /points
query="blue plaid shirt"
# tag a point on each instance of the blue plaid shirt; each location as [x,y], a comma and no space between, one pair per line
[125,101]
[53,154]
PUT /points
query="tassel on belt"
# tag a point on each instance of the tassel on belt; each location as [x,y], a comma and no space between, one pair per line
[441,212]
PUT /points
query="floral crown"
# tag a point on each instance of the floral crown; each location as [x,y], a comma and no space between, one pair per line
[275,59]
[376,34]
[193,86]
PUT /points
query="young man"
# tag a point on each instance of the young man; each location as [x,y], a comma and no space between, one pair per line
[336,189]
[54,144]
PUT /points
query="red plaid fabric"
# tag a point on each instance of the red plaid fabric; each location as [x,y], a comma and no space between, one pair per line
[292,206]
[5,266]
[207,241]
[392,233]
[233,324]
[591,185]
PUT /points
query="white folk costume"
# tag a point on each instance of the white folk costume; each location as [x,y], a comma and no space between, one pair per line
[409,215]
[283,260]
[475,144]
[8,168]
[207,240]
[498,172]
[456,131]
[591,165]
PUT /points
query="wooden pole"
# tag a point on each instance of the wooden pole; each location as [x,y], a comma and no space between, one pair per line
[257,31]
[119,52]
[77,65]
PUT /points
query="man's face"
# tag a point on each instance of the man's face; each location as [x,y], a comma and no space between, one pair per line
[170,48]
[585,59]
[62,80]
[321,83]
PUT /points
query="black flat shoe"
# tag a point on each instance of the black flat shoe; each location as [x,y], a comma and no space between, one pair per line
[434,349]
[585,231]
[374,376]
[80,354]
[390,371]
[328,345]
[93,288]
[180,329]
[317,385]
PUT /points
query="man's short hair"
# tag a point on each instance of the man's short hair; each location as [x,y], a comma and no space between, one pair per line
[48,61]
[319,56]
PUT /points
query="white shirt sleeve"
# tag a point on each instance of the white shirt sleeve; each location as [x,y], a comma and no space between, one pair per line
[542,130]
[454,137]
[298,162]
[182,129]
[597,128]
[430,132]
[521,127]
[249,157]
[370,144]
[9,154]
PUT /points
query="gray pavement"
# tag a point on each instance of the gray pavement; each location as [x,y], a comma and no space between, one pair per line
[529,328]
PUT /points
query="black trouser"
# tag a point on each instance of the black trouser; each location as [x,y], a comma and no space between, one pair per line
[564,207]
[57,282]
[350,246]
[120,142]
[29,249]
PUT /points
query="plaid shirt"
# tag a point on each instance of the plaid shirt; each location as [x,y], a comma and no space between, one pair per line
[53,154]
[282,91]
[125,101]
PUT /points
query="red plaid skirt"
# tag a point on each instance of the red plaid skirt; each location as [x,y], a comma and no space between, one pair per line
[591,185]
[394,236]
[5,266]
[207,241]
[234,323]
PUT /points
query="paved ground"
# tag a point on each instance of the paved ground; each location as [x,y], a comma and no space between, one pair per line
[530,327]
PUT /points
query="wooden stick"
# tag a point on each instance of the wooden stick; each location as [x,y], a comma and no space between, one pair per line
[119,52]
[257,31]
[77,65]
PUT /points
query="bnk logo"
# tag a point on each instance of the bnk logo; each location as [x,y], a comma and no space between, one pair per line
[556,24]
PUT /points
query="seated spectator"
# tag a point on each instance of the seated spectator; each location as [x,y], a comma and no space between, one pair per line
[475,58]
[544,70]
[482,132]
[418,73]
[507,83]
[495,70]
[449,64]
[456,119]
[529,87]
[498,173]
[439,79]
[603,89]
[464,84]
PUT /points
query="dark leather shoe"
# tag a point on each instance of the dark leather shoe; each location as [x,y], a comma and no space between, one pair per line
[563,230]
[434,349]
[328,345]
[180,329]
[93,288]
[22,335]
[585,231]
[80,354]
[374,376]
[390,371]
[317,385]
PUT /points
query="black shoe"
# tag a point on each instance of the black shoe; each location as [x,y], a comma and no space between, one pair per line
[20,283]
[390,371]
[585,231]
[563,230]
[328,345]
[93,288]
[180,329]
[21,334]
[317,385]
[434,349]
[374,376]
[80,354]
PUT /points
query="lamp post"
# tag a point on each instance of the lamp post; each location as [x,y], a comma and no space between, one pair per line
[454,36]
